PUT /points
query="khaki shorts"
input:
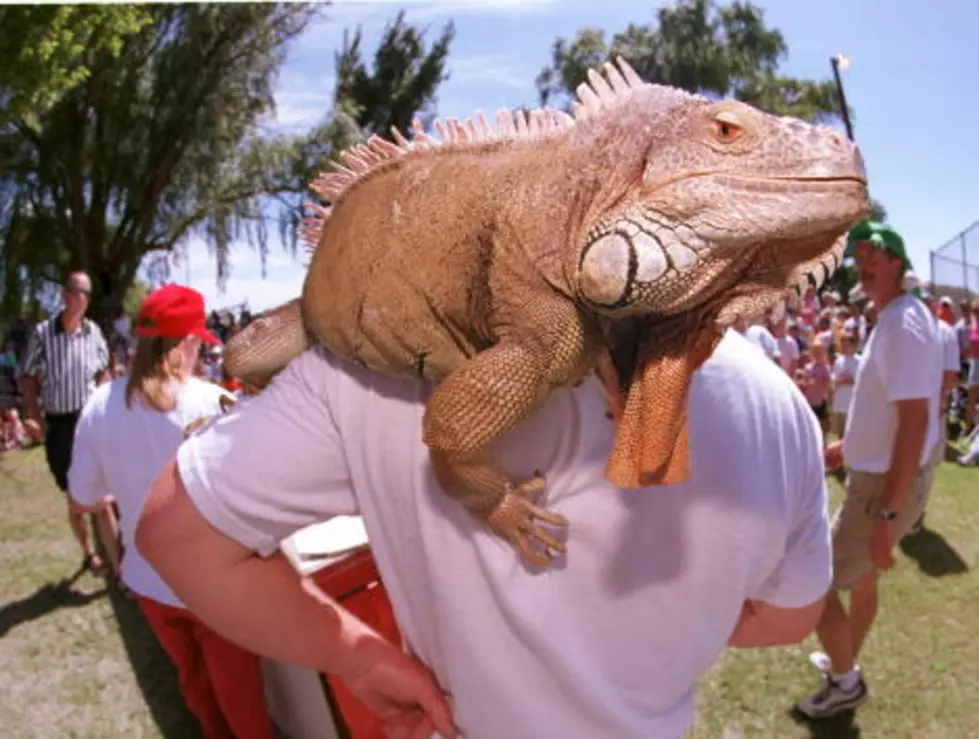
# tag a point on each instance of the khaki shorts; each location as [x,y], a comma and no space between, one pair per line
[854,523]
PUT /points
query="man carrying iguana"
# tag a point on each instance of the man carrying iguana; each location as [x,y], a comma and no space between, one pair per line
[478,281]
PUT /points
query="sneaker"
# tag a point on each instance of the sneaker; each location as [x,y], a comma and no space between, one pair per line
[918,526]
[832,699]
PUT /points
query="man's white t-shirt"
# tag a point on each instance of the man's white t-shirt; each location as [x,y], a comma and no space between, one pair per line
[844,365]
[950,347]
[120,451]
[903,360]
[608,641]
[761,337]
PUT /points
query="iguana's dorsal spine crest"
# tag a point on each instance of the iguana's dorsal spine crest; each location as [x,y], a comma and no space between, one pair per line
[594,96]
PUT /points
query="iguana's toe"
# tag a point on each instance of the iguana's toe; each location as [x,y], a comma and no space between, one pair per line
[516,519]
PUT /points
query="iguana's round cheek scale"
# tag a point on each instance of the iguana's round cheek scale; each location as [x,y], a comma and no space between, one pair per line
[605,270]
[651,259]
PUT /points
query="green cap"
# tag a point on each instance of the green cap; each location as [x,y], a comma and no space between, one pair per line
[880,235]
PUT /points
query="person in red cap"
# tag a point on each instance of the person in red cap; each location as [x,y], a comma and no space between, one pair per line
[128,430]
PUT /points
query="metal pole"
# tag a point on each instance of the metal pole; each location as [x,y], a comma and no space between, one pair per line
[965,266]
[844,109]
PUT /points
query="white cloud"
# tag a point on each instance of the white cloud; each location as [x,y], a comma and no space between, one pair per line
[301,105]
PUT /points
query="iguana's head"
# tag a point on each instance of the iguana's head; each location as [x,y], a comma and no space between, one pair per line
[705,199]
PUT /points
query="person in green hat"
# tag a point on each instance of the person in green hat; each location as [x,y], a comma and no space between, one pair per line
[891,430]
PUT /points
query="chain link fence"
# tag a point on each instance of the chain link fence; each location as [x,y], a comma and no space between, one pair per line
[955,265]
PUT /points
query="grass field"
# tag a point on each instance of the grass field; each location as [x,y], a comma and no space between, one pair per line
[80,662]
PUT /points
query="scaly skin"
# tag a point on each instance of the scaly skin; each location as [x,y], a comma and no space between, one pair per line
[503,266]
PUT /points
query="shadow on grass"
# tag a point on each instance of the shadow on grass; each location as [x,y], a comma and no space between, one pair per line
[934,555]
[155,673]
[842,726]
[46,599]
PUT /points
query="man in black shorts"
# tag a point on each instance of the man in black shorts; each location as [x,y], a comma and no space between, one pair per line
[65,359]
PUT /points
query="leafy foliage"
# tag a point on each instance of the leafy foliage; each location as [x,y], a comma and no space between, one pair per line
[404,79]
[721,51]
[151,146]
[162,138]
[45,48]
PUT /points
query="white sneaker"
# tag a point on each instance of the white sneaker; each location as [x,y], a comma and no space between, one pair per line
[832,699]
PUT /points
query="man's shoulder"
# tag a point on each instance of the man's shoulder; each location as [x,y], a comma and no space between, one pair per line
[93,328]
[909,317]
[42,327]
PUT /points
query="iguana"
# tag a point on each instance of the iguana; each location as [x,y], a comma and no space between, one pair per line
[502,264]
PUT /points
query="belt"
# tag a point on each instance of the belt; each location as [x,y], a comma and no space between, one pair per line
[69,416]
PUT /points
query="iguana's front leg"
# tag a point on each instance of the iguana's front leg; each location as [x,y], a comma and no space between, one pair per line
[481,401]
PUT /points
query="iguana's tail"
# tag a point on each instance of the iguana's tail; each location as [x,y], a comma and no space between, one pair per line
[266,345]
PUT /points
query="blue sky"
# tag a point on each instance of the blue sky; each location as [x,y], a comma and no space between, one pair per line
[912,82]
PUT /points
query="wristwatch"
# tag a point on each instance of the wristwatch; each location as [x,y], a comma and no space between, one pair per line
[886,514]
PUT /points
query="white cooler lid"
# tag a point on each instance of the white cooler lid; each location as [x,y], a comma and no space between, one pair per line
[320,545]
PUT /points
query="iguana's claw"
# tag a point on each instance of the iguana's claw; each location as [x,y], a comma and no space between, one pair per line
[514,519]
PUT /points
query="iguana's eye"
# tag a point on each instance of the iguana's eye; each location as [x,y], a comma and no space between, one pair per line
[725,128]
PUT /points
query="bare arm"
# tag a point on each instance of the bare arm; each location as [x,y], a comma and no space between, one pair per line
[912,429]
[263,605]
[949,381]
[30,387]
[764,625]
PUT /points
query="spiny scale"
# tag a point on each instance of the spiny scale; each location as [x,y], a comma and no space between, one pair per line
[361,159]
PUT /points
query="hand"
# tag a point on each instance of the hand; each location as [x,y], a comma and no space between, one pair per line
[34,429]
[882,545]
[403,693]
[834,456]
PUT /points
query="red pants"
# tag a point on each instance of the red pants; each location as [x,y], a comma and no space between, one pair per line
[221,682]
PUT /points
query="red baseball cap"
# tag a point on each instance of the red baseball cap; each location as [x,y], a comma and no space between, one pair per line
[173,312]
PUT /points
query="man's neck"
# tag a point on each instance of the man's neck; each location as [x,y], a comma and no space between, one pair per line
[886,298]
[70,324]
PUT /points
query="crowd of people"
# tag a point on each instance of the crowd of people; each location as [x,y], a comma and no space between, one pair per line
[818,339]
[612,642]
[121,342]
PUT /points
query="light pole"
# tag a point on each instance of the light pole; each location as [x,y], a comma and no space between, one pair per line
[839,62]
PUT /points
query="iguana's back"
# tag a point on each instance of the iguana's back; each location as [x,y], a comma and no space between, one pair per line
[415,267]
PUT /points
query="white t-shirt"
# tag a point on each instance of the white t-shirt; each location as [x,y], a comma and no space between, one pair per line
[120,451]
[950,347]
[903,359]
[844,365]
[763,339]
[788,351]
[607,642]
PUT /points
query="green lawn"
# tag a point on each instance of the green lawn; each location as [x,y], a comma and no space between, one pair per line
[78,662]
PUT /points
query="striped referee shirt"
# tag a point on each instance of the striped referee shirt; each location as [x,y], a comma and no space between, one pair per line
[67,364]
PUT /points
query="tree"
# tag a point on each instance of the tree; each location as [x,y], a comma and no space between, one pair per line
[403,82]
[163,142]
[134,298]
[153,145]
[719,51]
[44,48]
